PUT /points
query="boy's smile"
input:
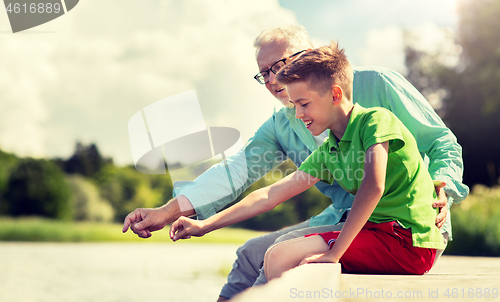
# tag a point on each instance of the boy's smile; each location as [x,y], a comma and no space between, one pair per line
[314,110]
[320,112]
[308,123]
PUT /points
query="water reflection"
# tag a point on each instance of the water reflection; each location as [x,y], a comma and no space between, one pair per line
[55,272]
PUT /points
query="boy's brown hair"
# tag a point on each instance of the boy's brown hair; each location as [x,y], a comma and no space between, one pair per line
[320,68]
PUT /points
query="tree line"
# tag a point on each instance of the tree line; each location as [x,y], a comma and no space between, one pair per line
[89,187]
[86,186]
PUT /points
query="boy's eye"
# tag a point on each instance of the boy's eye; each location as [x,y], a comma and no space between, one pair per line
[305,104]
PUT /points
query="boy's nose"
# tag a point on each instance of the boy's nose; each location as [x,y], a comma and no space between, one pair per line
[298,113]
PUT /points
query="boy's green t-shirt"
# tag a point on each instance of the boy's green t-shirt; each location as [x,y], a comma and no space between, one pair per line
[409,190]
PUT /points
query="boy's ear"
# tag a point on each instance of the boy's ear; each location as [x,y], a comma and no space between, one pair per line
[337,94]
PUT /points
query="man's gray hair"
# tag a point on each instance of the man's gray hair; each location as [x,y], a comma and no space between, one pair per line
[295,35]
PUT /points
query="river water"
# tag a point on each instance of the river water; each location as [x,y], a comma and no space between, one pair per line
[66,272]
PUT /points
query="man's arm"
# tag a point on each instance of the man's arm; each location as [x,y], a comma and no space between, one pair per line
[212,191]
[433,137]
[224,182]
[144,221]
[375,86]
[256,203]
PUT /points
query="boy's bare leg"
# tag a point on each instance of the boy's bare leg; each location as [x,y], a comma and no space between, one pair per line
[279,259]
[221,298]
[249,261]
[299,234]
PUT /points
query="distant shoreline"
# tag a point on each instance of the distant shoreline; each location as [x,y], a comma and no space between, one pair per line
[35,229]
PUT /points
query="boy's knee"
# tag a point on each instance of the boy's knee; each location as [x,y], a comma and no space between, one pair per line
[272,256]
[274,253]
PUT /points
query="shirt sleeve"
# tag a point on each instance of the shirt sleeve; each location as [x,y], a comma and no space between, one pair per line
[433,138]
[224,182]
[381,126]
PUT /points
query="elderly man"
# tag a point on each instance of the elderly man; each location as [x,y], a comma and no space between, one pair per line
[284,136]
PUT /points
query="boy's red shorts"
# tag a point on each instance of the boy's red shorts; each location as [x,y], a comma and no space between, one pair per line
[383,248]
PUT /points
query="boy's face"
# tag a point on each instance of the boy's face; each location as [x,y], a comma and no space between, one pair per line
[315,110]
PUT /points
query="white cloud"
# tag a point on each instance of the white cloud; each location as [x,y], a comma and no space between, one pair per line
[437,40]
[23,112]
[107,60]
[384,47]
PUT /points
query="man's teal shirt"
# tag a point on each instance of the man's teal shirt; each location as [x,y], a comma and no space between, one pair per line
[283,136]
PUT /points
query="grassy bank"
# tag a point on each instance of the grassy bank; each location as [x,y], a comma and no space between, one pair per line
[476,224]
[44,230]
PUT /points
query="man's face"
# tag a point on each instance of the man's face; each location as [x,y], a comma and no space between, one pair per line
[268,54]
[315,110]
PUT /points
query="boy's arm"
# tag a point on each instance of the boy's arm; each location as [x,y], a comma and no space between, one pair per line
[224,182]
[256,203]
[370,191]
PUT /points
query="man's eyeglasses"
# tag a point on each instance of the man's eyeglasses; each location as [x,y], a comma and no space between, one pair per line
[263,77]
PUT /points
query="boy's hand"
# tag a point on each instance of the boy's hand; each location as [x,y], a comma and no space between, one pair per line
[319,258]
[442,203]
[144,221]
[184,228]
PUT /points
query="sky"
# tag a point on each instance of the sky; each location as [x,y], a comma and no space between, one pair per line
[371,30]
[82,76]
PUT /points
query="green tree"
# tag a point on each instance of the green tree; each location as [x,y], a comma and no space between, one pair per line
[472,90]
[476,231]
[86,161]
[38,187]
[86,201]
[7,163]
[127,189]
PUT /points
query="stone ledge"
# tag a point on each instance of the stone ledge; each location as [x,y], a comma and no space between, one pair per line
[453,278]
[309,282]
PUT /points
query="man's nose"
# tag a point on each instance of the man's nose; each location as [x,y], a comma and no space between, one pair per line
[272,78]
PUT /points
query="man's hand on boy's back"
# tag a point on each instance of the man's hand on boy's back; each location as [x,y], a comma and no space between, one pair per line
[442,204]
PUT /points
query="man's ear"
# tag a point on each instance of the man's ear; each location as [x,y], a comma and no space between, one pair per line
[337,94]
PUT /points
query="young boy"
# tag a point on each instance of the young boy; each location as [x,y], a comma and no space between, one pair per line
[370,153]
